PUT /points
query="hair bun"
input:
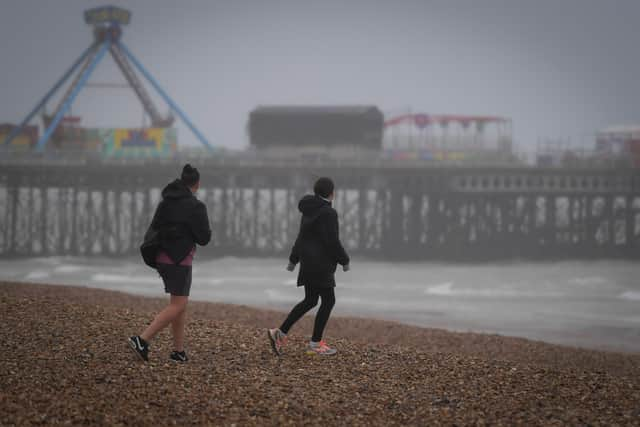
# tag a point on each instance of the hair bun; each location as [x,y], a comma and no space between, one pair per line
[190,175]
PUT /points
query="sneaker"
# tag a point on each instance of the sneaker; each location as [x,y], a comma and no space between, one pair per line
[139,346]
[278,339]
[321,348]
[178,356]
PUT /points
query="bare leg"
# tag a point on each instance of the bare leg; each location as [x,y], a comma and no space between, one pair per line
[176,307]
[177,329]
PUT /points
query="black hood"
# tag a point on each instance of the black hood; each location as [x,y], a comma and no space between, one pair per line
[176,190]
[313,206]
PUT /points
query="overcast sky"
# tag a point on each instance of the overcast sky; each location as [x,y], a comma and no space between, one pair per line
[558,68]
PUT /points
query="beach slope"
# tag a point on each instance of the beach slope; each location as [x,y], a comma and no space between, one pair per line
[64,360]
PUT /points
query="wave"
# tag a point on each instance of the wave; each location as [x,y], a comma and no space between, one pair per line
[442,289]
[274,295]
[122,278]
[37,275]
[447,289]
[589,281]
[630,295]
[219,280]
[210,281]
[69,268]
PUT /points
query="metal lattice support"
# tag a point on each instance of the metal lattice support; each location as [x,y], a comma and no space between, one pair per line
[121,60]
[74,90]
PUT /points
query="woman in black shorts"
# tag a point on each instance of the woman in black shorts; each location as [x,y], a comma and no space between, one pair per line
[182,221]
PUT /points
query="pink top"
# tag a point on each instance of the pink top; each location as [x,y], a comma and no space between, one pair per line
[163,258]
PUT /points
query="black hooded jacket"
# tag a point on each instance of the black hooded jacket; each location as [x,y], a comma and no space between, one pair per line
[318,247]
[182,220]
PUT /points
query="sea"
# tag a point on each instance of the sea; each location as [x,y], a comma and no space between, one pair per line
[589,304]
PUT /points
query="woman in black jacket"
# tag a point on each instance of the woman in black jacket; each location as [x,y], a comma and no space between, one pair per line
[182,222]
[319,251]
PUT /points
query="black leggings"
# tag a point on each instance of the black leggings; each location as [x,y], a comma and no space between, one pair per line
[310,300]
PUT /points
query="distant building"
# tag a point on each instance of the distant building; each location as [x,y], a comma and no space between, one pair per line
[323,130]
[363,132]
[619,141]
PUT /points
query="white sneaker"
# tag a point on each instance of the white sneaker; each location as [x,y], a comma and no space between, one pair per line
[321,348]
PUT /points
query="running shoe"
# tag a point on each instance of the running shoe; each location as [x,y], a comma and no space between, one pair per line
[321,348]
[139,346]
[178,356]
[278,339]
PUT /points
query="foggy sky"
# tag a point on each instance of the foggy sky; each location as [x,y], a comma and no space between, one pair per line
[558,68]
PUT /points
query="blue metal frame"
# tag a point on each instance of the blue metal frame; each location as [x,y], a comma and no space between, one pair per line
[72,96]
[164,95]
[16,130]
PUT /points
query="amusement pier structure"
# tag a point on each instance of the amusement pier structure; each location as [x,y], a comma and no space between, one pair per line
[413,186]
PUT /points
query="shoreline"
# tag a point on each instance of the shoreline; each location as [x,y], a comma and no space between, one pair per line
[358,328]
[589,306]
[574,341]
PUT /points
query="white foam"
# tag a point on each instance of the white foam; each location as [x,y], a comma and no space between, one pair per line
[121,278]
[69,268]
[373,305]
[290,282]
[211,281]
[441,289]
[630,295]
[274,295]
[242,279]
[54,260]
[37,275]
[506,291]
[588,281]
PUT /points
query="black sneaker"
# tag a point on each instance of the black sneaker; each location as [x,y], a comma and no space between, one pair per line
[178,356]
[139,346]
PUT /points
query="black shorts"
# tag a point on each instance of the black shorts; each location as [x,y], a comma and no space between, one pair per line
[176,278]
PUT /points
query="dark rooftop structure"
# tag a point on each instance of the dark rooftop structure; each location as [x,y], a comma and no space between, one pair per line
[284,125]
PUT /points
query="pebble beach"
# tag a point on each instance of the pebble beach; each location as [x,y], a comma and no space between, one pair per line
[65,361]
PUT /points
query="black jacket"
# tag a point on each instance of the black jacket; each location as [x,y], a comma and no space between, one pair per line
[318,247]
[182,221]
